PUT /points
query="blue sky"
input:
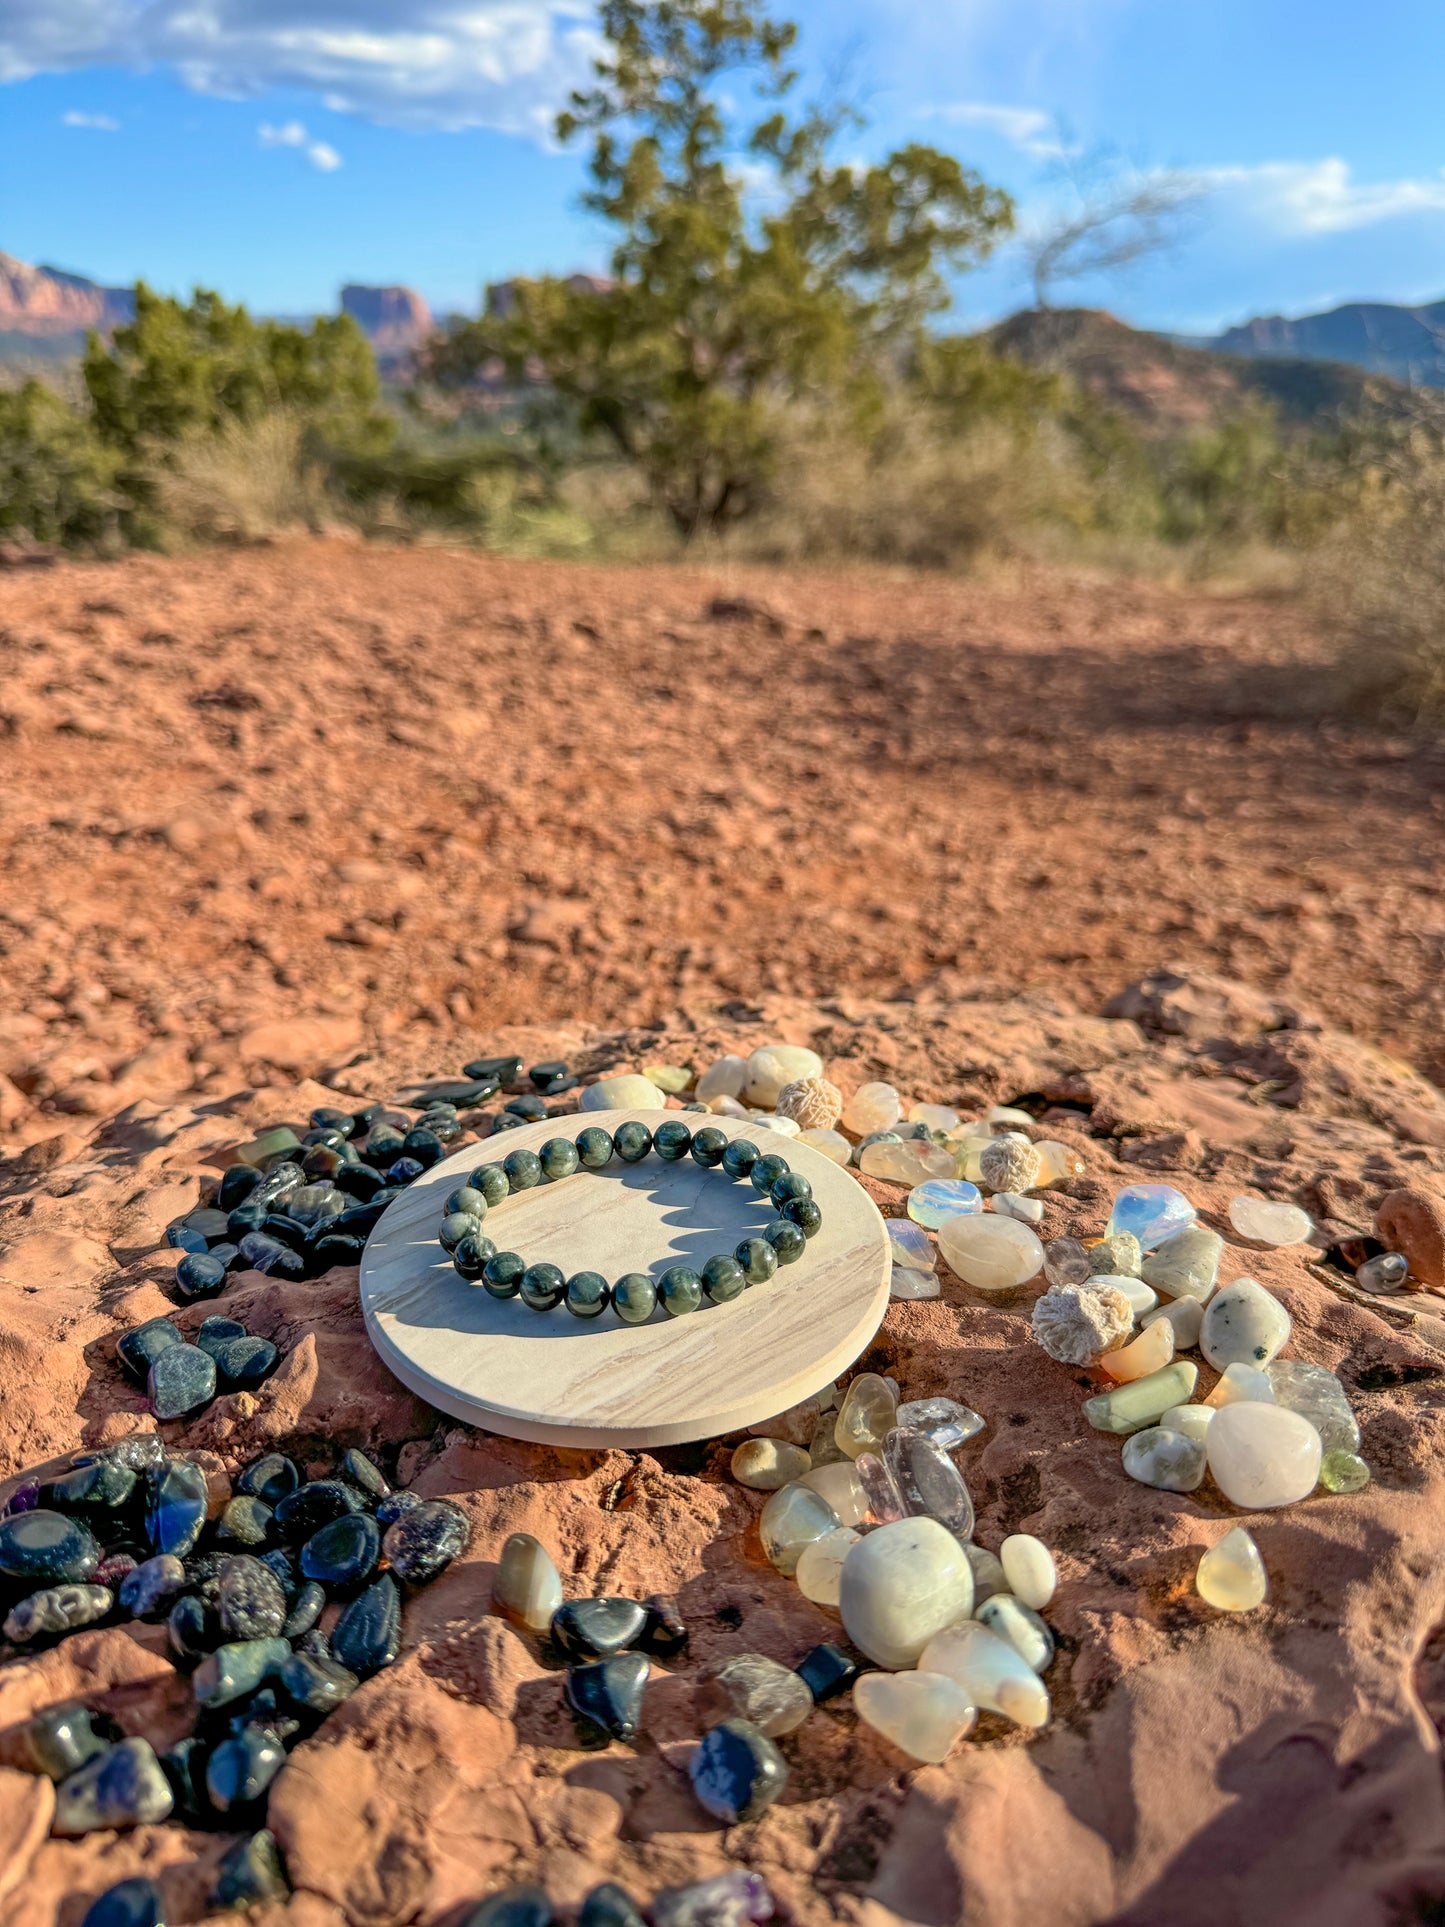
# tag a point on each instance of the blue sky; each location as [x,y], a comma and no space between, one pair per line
[277,148]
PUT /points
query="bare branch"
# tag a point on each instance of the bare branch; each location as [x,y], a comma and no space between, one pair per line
[1119,216]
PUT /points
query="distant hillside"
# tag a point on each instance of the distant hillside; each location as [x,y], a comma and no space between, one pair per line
[1406,344]
[1167,387]
[51,310]
[395,320]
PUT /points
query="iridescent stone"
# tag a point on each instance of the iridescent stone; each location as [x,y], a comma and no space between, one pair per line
[775,1065]
[1149,1212]
[993,1674]
[527,1588]
[122,1787]
[1057,1162]
[250,1602]
[752,1687]
[1025,1630]
[1129,1408]
[1231,1575]
[1151,1351]
[1118,1256]
[840,1485]
[1386,1272]
[1243,1325]
[1029,1568]
[943,1420]
[991,1254]
[737,1771]
[767,1465]
[1009,1164]
[58,1609]
[940,1199]
[923,1714]
[831,1143]
[1185,1265]
[793,1518]
[1265,1222]
[912,1274]
[1242,1382]
[866,1416]
[627,1092]
[1192,1421]
[931,1484]
[872,1107]
[1343,1471]
[1169,1461]
[1066,1262]
[1263,1456]
[905,1162]
[902,1584]
[885,1501]
[820,1568]
[726,1077]
[729,1899]
[1186,1315]
[1317,1395]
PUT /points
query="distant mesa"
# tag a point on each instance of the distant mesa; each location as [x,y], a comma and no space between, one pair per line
[1405,344]
[48,305]
[395,320]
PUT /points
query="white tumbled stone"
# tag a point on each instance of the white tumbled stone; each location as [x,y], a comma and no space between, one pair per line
[1029,1568]
[1231,1575]
[793,1518]
[902,1584]
[1192,1420]
[1186,1315]
[1010,1619]
[726,1077]
[990,1253]
[1142,1298]
[1186,1265]
[1263,1456]
[1026,1210]
[923,1714]
[1264,1221]
[1246,1383]
[832,1144]
[775,1065]
[1243,1325]
[872,1107]
[629,1091]
[992,1673]
[819,1570]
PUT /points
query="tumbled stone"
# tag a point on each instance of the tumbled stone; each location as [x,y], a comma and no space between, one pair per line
[1263,1456]
[271,1478]
[931,1484]
[872,1107]
[1383,1273]
[910,1248]
[250,1603]
[988,1572]
[236,1669]
[1066,1262]
[737,1771]
[607,1693]
[1245,1382]
[306,1609]
[885,1501]
[827,1671]
[314,1505]
[1057,1162]
[241,1768]
[1142,1298]
[182,1380]
[729,1899]
[1009,1204]
[152,1586]
[1192,1420]
[939,1199]
[627,1092]
[342,1555]
[59,1740]
[1185,1315]
[665,1635]
[1243,1325]
[367,1637]
[47,1548]
[991,1672]
[749,1686]
[1115,1257]
[1342,1471]
[1029,1568]
[792,1518]
[901,1584]
[866,1416]
[130,1903]
[244,1363]
[774,1066]
[833,1145]
[910,1163]
[1317,1395]
[1076,1323]
[840,1485]
[991,1253]
[122,1787]
[1129,1408]
[58,1609]
[527,1589]
[1169,1461]
[245,1522]
[943,1420]
[724,1077]
[597,1628]
[1231,1574]
[191,1631]
[179,1503]
[250,1872]
[97,1488]
[922,1714]
[1024,1629]
[314,1684]
[1186,1264]
[1265,1222]
[1151,1351]
[766,1465]
[1149,1212]
[425,1540]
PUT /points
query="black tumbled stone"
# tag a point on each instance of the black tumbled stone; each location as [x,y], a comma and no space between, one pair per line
[180,1237]
[249,1872]
[250,1603]
[342,1555]
[304,1512]
[597,1628]
[610,1906]
[215,1331]
[191,1631]
[244,1363]
[241,1769]
[199,1277]
[182,1380]
[271,1478]
[395,1504]
[607,1693]
[737,1772]
[338,1247]
[424,1541]
[103,1486]
[58,1741]
[504,1069]
[280,1562]
[827,1671]
[122,1787]
[130,1903]
[139,1347]
[362,1472]
[367,1637]
[530,1109]
[238,1181]
[316,1685]
[309,1605]
[513,1907]
[47,1547]
[665,1635]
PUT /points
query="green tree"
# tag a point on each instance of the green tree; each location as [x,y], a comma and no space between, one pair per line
[57,481]
[719,312]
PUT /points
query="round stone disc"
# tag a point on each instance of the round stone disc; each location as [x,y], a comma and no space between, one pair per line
[554,1379]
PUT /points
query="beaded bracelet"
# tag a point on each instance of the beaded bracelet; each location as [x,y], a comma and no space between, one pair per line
[634,1298]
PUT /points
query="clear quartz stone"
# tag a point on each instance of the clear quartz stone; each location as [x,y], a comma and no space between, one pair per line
[820,1566]
[793,1518]
[923,1714]
[1057,1162]
[1066,1262]
[867,1414]
[885,1501]
[832,1144]
[1264,1221]
[1231,1575]
[931,1484]
[1387,1272]
[825,1449]
[752,1687]
[1242,1382]
[907,1162]
[944,1420]
[914,1260]
[1317,1395]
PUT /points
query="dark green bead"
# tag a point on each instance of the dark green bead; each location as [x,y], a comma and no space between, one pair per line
[679,1290]
[594,1147]
[456,1226]
[467,1198]
[588,1294]
[786,1239]
[523,1169]
[491,1181]
[740,1157]
[634,1298]
[503,1274]
[758,1259]
[723,1278]
[671,1142]
[632,1142]
[542,1287]
[471,1255]
[765,1174]
[708,1146]
[792,1184]
[559,1158]
[806,1214]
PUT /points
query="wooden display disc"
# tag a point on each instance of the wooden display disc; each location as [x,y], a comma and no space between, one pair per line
[554,1379]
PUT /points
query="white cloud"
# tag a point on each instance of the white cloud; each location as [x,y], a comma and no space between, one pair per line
[293,134]
[414,63]
[1028,128]
[102,123]
[1323,197]
[324,156]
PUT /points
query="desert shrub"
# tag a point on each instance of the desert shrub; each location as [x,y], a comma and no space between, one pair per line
[57,479]
[238,482]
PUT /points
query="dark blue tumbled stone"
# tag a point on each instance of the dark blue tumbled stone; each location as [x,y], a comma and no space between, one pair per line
[310,1603]
[367,1636]
[250,1603]
[215,1331]
[228,1255]
[608,1693]
[240,1770]
[597,1628]
[130,1903]
[424,1541]
[244,1363]
[182,1380]
[359,1181]
[504,1069]
[382,1145]
[406,1170]
[59,1740]
[139,1347]
[281,1563]
[610,1906]
[250,1872]
[210,1222]
[177,1510]
[737,1772]
[184,1765]
[180,1237]
[270,1478]
[238,1181]
[827,1671]
[337,1248]
[103,1486]
[191,1631]
[199,1276]
[342,1555]
[153,1585]
[47,1547]
[261,1252]
[513,1907]
[665,1634]
[316,1685]
[310,1507]
[235,1670]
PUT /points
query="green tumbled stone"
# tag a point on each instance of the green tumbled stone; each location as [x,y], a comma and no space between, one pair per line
[758,1260]
[1342,1471]
[558,1158]
[786,1239]
[723,1278]
[594,1147]
[792,1184]
[587,1294]
[708,1146]
[805,1214]
[671,1142]
[679,1290]
[634,1298]
[503,1274]
[632,1142]
[765,1174]
[542,1287]
[740,1157]
[491,1181]
[523,1169]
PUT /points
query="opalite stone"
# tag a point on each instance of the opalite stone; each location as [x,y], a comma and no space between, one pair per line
[1231,1575]
[1010,1619]
[1009,1164]
[832,1144]
[1387,1272]
[820,1567]
[672,1078]
[990,1253]
[1057,1162]
[939,1199]
[1066,1262]
[907,1162]
[775,1065]
[1192,1420]
[923,1714]
[911,1248]
[1244,1382]
[933,1117]
[627,1092]
[943,1420]
[752,1687]
[1118,1256]
[1343,1471]
[990,1671]
[1167,1460]
[842,1488]
[1263,1456]
[737,1771]
[988,1573]
[726,1077]
[793,1518]
[1265,1222]
[1151,1212]
[866,1416]
[1129,1408]
[1186,1315]
[1075,1323]
[1243,1325]
[885,1501]
[1151,1351]
[901,1585]
[767,1465]
[1317,1395]
[872,1107]
[527,1588]
[930,1482]
[1185,1265]
[1029,1568]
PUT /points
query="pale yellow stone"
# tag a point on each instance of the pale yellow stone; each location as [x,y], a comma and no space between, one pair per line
[866,1415]
[775,1065]
[626,1092]
[872,1107]
[1029,1568]
[725,1078]
[1231,1575]
[768,1464]
[1057,1162]
[673,1078]
[1244,1383]
[791,1520]
[832,1144]
[727,1107]
[1192,1420]
[910,1162]
[923,1714]
[991,1671]
[967,1152]
[840,1485]
[820,1565]
[1151,1351]
[901,1584]
[991,1253]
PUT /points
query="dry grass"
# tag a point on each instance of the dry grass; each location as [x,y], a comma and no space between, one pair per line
[247,481]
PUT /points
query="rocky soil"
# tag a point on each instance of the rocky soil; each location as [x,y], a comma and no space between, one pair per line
[300,827]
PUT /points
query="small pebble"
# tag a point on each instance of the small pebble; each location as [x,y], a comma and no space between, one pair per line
[923,1714]
[827,1671]
[608,1692]
[737,1772]
[1342,1471]
[991,1672]
[422,1543]
[47,1547]
[342,1555]
[1066,1262]
[152,1586]
[1150,1213]
[250,1872]
[944,1420]
[182,1380]
[58,1609]
[1167,1460]
[526,1589]
[1231,1574]
[1265,1222]
[235,1670]
[819,1572]
[59,1740]
[1029,1568]
[1386,1272]
[902,1584]
[121,1787]
[752,1687]
[1261,1456]
[1010,1619]
[367,1637]
[1026,1210]
[766,1465]
[792,1518]
[991,1253]
[1243,1325]
[241,1768]
[250,1603]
